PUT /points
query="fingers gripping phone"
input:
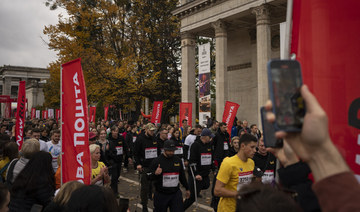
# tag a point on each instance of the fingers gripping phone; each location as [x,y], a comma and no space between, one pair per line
[269,132]
[284,86]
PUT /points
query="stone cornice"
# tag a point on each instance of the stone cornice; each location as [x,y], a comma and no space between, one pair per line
[193,7]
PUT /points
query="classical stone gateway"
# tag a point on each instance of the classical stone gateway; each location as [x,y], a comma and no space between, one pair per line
[34,78]
[247,35]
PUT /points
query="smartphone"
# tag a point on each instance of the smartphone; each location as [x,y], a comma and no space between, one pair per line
[284,86]
[269,132]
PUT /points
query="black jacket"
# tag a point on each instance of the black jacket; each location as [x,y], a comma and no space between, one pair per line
[145,145]
[180,147]
[130,138]
[117,148]
[171,168]
[201,158]
[221,146]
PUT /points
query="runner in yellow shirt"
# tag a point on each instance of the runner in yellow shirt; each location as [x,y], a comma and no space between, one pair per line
[235,172]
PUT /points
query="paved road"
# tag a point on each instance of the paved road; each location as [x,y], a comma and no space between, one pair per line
[129,188]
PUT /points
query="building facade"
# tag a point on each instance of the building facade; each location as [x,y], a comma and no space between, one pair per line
[35,79]
[247,35]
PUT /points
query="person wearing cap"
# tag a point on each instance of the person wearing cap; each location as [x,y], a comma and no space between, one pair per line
[200,164]
[92,138]
[117,149]
[167,171]
[234,172]
[145,151]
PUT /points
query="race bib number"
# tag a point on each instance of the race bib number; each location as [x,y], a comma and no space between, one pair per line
[150,153]
[268,176]
[205,159]
[134,139]
[162,150]
[179,150]
[244,178]
[119,150]
[226,146]
[170,179]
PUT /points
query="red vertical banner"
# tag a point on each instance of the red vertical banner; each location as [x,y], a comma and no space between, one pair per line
[44,114]
[20,115]
[185,113]
[156,113]
[326,42]
[106,111]
[92,114]
[229,114]
[120,115]
[75,161]
[33,111]
[57,114]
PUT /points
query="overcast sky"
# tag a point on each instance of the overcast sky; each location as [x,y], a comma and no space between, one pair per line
[21,29]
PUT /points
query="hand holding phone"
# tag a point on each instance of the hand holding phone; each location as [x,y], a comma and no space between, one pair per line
[269,132]
[284,85]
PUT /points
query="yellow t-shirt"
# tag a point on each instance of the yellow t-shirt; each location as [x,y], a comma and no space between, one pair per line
[233,173]
[95,172]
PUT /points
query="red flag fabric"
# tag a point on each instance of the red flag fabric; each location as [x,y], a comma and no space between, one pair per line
[156,113]
[92,114]
[325,39]
[33,111]
[120,115]
[186,113]
[75,161]
[106,110]
[229,114]
[57,114]
[44,114]
[20,115]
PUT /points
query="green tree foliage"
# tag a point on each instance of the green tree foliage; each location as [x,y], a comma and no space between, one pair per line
[129,49]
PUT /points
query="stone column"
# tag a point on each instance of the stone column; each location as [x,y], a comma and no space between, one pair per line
[263,44]
[221,67]
[6,91]
[188,71]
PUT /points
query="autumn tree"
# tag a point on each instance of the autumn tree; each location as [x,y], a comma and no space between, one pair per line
[129,50]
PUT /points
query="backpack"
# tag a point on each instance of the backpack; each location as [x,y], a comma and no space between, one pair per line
[10,173]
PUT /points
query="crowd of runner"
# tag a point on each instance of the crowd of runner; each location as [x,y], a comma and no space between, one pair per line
[167,155]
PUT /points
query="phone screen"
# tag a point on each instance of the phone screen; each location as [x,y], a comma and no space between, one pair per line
[269,131]
[285,82]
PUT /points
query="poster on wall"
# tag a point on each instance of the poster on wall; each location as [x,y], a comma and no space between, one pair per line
[204,83]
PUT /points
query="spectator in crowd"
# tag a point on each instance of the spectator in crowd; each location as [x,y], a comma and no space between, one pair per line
[200,163]
[117,149]
[175,137]
[254,130]
[63,196]
[28,150]
[104,147]
[44,134]
[215,126]
[35,184]
[54,147]
[99,172]
[266,161]
[92,199]
[190,139]
[11,151]
[257,197]
[4,198]
[234,146]
[244,127]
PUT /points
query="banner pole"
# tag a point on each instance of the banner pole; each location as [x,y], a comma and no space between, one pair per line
[288,28]
[61,121]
